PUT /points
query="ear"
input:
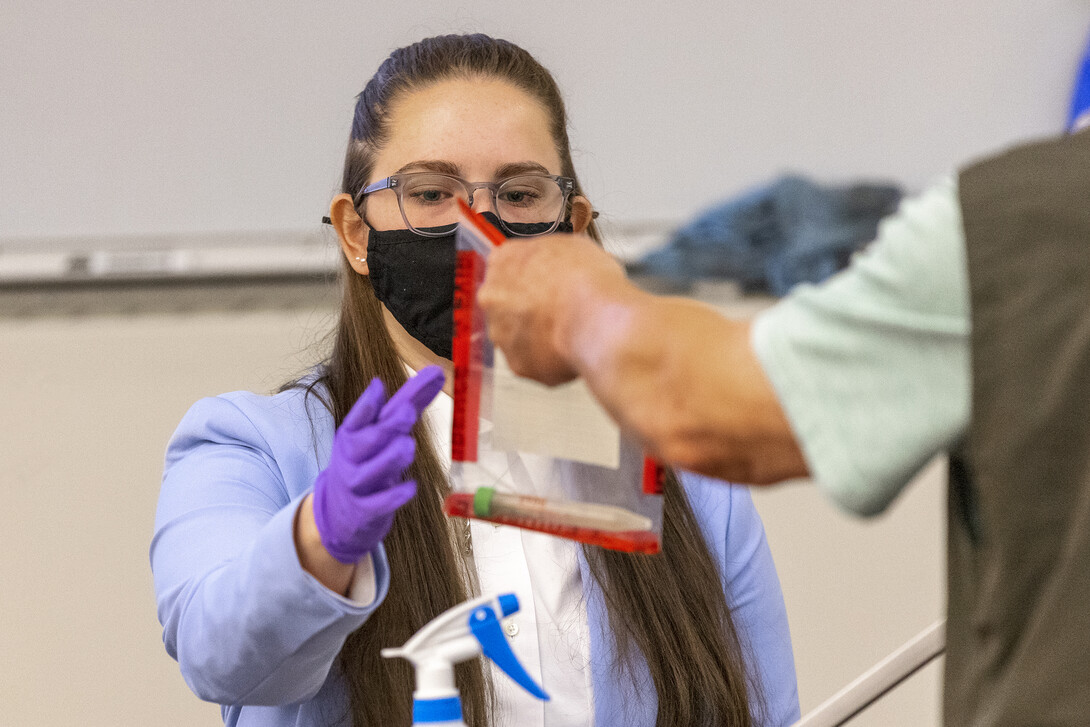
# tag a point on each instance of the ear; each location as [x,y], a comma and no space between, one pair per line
[351,230]
[581,213]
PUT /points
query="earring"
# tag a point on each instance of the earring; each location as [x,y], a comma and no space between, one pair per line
[361,259]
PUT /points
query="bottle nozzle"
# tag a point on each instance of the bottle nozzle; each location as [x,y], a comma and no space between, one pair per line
[486,627]
[509,603]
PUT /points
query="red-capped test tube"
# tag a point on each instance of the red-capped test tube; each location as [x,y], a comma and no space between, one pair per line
[606,525]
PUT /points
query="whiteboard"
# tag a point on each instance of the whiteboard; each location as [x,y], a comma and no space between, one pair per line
[121,121]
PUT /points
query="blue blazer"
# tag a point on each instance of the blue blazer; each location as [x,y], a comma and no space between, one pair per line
[255,633]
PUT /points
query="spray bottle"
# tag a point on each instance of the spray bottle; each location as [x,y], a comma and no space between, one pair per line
[454,636]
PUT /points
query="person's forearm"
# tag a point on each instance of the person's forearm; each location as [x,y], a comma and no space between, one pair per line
[682,378]
[313,556]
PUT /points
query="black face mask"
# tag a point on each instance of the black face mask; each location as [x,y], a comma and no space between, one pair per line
[413,276]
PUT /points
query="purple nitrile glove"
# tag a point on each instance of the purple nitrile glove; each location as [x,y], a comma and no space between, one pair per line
[357,494]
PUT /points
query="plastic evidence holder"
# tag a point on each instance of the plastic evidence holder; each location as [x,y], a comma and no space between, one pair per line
[602,490]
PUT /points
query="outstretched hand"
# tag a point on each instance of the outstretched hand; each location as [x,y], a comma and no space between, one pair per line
[357,494]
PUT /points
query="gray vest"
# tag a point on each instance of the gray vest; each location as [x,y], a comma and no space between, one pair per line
[1018,631]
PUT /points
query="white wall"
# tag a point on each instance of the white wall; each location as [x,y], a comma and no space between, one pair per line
[128,118]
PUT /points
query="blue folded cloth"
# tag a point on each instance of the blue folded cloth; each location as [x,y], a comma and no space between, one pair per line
[771,238]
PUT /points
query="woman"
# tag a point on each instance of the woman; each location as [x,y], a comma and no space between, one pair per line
[280,569]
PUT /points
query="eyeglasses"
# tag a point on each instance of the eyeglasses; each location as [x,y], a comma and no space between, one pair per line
[526,205]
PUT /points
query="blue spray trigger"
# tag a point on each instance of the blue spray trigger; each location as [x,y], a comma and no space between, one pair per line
[509,603]
[486,628]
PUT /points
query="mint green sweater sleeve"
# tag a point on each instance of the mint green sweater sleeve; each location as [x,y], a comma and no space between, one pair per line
[872,366]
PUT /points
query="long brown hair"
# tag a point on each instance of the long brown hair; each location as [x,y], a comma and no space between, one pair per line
[668,608]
